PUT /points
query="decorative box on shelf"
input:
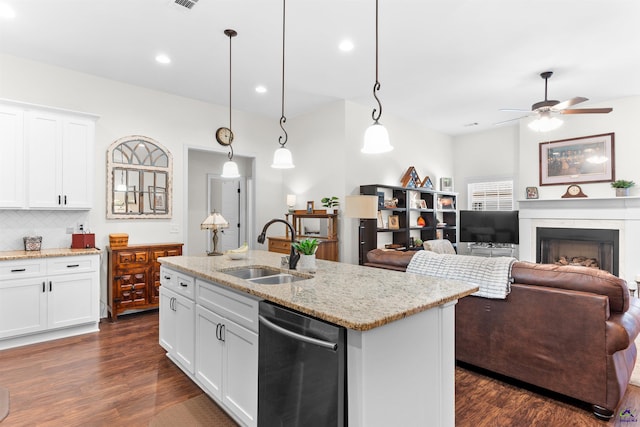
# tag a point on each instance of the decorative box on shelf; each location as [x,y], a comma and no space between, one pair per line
[118,240]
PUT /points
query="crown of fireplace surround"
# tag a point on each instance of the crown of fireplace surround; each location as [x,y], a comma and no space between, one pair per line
[618,213]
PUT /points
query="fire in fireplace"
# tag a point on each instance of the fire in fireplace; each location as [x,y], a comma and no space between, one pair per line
[596,248]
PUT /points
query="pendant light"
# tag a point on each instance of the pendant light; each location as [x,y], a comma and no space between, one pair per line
[376,137]
[225,135]
[282,157]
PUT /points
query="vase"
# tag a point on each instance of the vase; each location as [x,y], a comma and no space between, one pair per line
[307,263]
[622,192]
[330,210]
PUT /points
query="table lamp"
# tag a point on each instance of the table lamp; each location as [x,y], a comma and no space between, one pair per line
[214,222]
[362,207]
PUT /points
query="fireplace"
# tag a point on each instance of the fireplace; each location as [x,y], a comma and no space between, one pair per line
[596,248]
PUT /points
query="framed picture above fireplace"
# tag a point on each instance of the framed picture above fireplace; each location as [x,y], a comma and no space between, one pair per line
[578,160]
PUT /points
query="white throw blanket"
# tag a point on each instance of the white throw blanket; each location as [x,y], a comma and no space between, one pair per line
[492,275]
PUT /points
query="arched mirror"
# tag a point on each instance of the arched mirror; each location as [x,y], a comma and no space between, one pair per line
[139,171]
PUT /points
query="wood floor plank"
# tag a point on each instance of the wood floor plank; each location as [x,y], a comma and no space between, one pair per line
[120,376]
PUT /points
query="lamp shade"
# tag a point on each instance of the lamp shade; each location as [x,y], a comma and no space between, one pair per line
[376,139]
[230,170]
[214,222]
[545,123]
[291,199]
[363,207]
[282,159]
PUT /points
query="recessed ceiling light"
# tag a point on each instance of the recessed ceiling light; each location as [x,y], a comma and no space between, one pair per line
[346,46]
[6,11]
[261,89]
[163,59]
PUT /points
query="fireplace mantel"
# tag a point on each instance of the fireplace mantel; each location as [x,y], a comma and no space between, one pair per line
[621,213]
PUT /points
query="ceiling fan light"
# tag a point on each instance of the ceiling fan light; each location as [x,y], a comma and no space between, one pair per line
[230,170]
[376,140]
[545,124]
[282,159]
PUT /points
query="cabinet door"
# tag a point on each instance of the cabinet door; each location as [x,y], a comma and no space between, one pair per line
[130,287]
[23,307]
[184,310]
[43,136]
[71,300]
[168,325]
[11,157]
[209,350]
[240,390]
[77,163]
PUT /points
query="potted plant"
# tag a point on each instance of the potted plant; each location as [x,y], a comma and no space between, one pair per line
[307,249]
[622,187]
[331,203]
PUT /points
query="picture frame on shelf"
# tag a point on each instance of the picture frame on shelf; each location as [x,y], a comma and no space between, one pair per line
[380,223]
[423,204]
[532,192]
[446,184]
[578,160]
[310,206]
[394,223]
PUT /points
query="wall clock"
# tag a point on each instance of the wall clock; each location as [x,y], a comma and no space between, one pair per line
[224,136]
[573,190]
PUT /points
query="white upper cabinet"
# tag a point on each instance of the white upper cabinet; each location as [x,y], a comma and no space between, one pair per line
[11,157]
[57,148]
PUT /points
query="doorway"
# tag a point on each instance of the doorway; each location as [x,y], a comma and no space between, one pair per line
[229,198]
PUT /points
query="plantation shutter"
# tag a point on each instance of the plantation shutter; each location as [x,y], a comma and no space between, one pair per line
[491,196]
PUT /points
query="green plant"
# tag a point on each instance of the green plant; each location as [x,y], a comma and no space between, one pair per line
[306,246]
[330,202]
[622,183]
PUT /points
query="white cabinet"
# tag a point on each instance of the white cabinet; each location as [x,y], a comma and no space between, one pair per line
[47,157]
[227,349]
[60,157]
[177,318]
[11,157]
[43,299]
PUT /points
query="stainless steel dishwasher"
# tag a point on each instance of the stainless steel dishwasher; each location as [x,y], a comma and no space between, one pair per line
[301,370]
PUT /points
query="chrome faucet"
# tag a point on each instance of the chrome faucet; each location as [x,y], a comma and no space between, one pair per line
[293,256]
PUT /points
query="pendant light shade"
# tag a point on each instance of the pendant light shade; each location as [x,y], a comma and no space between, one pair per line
[376,137]
[282,159]
[230,170]
[376,140]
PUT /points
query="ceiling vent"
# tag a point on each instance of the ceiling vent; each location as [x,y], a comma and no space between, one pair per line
[186,3]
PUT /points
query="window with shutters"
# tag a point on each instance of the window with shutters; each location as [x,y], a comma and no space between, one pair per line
[491,196]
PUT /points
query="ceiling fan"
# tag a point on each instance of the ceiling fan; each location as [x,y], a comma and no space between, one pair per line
[545,108]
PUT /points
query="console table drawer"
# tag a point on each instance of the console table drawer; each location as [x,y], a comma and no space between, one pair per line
[280,245]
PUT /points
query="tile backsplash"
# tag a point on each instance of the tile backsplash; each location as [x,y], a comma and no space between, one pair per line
[51,225]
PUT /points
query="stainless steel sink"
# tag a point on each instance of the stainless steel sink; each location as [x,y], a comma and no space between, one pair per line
[251,272]
[264,275]
[277,279]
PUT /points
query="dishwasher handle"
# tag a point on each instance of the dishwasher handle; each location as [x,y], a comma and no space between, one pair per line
[326,344]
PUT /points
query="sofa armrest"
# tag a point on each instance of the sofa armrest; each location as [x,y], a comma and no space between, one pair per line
[623,328]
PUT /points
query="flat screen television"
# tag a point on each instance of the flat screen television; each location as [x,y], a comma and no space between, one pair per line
[489,227]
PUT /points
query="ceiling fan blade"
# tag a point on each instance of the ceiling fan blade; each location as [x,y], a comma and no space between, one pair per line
[516,110]
[568,103]
[587,111]
[510,120]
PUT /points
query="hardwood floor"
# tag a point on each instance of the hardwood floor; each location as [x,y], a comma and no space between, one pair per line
[121,377]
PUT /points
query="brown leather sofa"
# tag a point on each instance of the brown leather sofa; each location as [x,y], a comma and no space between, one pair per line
[567,329]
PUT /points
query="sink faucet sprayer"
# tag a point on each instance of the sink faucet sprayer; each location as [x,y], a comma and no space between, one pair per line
[293,256]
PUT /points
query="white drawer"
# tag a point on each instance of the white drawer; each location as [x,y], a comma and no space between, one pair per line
[238,307]
[72,264]
[22,268]
[167,277]
[178,282]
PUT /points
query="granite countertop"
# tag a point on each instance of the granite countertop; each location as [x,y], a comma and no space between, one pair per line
[356,297]
[46,253]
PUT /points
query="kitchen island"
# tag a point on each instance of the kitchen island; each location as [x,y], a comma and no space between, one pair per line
[400,331]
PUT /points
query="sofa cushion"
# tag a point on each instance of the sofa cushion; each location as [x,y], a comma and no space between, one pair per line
[396,260]
[439,246]
[574,278]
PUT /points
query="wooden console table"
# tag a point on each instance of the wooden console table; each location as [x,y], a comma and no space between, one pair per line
[328,248]
[134,276]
